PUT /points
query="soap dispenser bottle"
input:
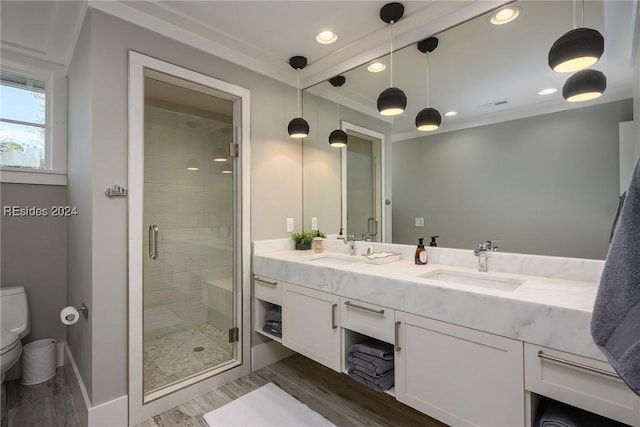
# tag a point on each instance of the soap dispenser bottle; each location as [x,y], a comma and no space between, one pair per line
[421,253]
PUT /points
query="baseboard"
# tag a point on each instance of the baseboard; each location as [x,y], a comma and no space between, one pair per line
[108,414]
[267,353]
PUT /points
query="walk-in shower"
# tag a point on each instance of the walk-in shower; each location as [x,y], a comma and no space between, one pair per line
[188,240]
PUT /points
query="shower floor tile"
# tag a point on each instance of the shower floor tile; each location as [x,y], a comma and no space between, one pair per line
[178,355]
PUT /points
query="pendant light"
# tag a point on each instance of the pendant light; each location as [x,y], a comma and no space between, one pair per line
[428,119]
[576,49]
[298,127]
[392,101]
[338,138]
[584,85]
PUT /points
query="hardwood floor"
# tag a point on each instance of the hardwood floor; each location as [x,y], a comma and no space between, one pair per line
[335,396]
[46,404]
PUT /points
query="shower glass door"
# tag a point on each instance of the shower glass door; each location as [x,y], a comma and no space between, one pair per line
[189,292]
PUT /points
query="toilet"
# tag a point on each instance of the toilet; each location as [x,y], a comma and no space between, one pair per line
[14,323]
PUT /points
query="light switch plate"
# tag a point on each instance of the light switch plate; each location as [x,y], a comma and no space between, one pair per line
[314,223]
[289,225]
[419,222]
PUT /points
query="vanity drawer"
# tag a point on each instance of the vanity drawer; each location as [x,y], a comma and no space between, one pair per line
[267,289]
[368,319]
[579,381]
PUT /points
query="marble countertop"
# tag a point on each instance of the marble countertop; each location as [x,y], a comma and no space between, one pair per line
[552,309]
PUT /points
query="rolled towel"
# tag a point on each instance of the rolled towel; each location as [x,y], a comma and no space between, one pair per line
[616,312]
[374,348]
[272,330]
[557,414]
[274,314]
[373,365]
[378,384]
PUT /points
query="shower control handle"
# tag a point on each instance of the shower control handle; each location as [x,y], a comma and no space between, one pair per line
[153,241]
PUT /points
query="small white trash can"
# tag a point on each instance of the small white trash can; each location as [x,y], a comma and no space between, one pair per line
[38,361]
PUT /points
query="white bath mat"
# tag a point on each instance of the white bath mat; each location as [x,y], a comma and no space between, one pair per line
[268,406]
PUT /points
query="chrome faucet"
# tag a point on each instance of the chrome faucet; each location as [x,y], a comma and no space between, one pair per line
[351,239]
[483,256]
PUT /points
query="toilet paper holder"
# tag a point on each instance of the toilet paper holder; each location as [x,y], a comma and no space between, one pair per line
[84,310]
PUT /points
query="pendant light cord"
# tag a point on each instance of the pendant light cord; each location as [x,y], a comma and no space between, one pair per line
[391,56]
[428,105]
[299,110]
[581,14]
[338,105]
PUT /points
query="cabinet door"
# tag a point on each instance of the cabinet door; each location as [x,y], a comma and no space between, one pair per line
[311,324]
[458,375]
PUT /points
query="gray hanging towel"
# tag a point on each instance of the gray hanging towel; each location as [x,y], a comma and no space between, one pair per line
[615,324]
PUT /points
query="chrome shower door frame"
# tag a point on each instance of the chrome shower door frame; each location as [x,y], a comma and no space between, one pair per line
[142,407]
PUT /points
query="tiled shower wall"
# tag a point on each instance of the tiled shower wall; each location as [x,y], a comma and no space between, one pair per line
[193,211]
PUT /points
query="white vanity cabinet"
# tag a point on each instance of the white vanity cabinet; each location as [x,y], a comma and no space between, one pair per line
[579,381]
[311,324]
[458,375]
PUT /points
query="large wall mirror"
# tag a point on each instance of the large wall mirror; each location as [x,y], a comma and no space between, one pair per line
[535,172]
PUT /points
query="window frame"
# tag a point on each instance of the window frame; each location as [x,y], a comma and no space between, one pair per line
[53,75]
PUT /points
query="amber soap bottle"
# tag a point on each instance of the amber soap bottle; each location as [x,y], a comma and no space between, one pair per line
[421,253]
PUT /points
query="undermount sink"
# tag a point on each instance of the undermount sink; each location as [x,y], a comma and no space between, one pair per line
[334,260]
[481,280]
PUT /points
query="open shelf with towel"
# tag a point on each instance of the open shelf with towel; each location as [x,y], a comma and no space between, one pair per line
[364,354]
[552,412]
[268,307]
[268,320]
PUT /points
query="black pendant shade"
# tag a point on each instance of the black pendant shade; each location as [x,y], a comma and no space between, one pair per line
[576,50]
[338,138]
[392,101]
[584,85]
[428,119]
[298,127]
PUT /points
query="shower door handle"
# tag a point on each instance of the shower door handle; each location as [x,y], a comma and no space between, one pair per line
[153,241]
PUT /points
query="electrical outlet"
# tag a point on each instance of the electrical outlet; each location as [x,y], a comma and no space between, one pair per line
[419,222]
[314,223]
[289,225]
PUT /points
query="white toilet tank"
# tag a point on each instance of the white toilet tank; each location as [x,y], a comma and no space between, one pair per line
[14,310]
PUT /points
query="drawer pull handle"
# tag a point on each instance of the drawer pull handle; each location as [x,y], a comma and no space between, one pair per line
[333,316]
[267,283]
[396,340]
[541,355]
[363,308]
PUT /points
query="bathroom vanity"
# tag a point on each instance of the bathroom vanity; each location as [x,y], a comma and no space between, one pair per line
[471,348]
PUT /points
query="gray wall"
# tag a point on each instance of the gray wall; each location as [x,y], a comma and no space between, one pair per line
[34,255]
[544,185]
[79,234]
[98,158]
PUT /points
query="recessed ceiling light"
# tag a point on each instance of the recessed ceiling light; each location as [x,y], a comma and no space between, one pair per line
[505,15]
[451,113]
[548,91]
[376,67]
[326,37]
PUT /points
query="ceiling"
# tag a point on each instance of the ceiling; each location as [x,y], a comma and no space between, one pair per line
[260,35]
[493,73]
[263,35]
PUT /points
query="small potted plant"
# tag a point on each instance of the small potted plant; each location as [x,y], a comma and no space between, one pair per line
[303,240]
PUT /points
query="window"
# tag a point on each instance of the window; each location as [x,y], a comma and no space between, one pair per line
[23,125]
[33,121]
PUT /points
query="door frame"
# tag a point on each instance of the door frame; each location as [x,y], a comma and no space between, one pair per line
[351,128]
[140,410]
